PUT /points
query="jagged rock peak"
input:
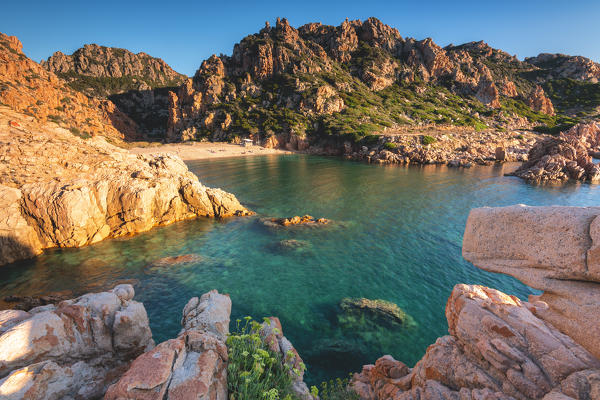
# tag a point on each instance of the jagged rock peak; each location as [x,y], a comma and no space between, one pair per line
[101,61]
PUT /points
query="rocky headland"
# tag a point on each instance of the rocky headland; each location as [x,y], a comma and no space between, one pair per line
[59,190]
[569,156]
[498,347]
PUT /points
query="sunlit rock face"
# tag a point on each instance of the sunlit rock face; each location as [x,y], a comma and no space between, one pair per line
[554,249]
[73,349]
[59,190]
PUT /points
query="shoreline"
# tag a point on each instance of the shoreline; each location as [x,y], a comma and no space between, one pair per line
[207,150]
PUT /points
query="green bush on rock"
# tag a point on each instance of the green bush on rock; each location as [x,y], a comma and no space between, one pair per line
[335,390]
[254,371]
[427,140]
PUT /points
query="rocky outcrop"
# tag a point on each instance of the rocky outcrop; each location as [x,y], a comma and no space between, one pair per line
[568,156]
[191,366]
[305,220]
[497,349]
[557,66]
[73,349]
[498,346]
[93,191]
[538,101]
[488,94]
[554,249]
[28,88]
[453,147]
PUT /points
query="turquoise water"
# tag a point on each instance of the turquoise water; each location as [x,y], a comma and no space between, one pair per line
[396,236]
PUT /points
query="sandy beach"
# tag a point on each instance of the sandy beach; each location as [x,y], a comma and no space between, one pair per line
[204,150]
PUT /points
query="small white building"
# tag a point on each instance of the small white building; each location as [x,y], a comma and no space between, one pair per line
[247,142]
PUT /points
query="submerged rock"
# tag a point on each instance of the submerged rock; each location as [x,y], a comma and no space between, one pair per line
[360,310]
[174,261]
[26,303]
[289,245]
[304,220]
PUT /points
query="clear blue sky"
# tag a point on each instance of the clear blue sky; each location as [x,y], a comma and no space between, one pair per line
[184,33]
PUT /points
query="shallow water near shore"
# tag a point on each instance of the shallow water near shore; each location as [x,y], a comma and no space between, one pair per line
[396,235]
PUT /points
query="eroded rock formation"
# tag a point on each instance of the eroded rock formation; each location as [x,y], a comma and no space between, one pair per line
[284,67]
[568,156]
[538,101]
[554,249]
[191,366]
[59,190]
[73,349]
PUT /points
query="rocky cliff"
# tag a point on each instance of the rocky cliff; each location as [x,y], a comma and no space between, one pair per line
[28,88]
[498,346]
[137,83]
[59,190]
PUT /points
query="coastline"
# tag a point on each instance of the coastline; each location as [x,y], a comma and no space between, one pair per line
[206,150]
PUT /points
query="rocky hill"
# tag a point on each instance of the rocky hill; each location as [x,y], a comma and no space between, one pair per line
[103,71]
[321,83]
[28,88]
[137,83]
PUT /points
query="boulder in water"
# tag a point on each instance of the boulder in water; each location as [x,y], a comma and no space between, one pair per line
[378,312]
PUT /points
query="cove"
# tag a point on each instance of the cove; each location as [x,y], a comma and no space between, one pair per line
[396,235]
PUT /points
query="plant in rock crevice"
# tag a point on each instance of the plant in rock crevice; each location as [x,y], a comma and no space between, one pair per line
[255,372]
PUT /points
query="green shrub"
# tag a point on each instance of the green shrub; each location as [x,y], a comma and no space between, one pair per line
[57,119]
[390,145]
[479,126]
[254,371]
[335,390]
[427,140]
[75,131]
